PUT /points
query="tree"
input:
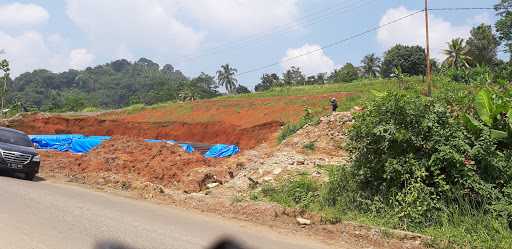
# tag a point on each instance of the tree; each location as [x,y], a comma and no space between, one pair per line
[4,67]
[457,54]
[504,23]
[347,73]
[483,45]
[226,78]
[411,59]
[371,66]
[206,81]
[242,90]
[267,82]
[320,78]
[294,76]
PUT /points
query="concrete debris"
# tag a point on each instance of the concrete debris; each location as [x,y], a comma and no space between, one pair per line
[303,222]
[213,185]
[267,163]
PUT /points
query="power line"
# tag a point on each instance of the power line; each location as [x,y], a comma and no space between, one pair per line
[459,8]
[305,21]
[332,44]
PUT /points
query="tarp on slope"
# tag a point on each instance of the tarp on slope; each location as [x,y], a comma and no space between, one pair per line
[75,143]
[222,151]
[54,142]
[85,145]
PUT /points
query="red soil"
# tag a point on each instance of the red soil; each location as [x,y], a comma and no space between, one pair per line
[158,163]
[209,133]
[243,113]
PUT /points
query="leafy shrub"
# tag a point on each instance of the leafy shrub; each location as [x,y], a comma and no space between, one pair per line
[290,129]
[410,152]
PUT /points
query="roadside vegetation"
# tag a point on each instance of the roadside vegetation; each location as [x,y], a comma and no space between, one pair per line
[441,165]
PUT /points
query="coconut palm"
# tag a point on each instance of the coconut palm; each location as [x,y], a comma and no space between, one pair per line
[226,78]
[457,54]
[371,66]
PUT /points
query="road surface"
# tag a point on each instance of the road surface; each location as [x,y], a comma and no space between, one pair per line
[43,215]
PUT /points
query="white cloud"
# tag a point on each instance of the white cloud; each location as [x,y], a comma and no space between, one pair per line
[15,15]
[80,58]
[32,50]
[482,18]
[411,31]
[242,16]
[310,64]
[135,24]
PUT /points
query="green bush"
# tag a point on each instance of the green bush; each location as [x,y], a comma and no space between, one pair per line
[416,167]
[410,152]
[292,128]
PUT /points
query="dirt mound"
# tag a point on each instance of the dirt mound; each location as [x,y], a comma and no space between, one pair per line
[209,133]
[129,161]
[327,137]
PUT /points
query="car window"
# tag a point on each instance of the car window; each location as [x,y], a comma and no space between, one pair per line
[10,137]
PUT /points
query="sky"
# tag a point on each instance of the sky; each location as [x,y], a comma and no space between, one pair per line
[254,36]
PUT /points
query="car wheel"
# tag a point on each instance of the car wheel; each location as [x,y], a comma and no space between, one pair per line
[29,176]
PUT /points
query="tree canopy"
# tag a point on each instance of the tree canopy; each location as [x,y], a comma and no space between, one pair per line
[112,85]
[411,59]
[347,73]
[483,45]
[457,54]
[267,82]
[504,23]
[226,77]
[371,65]
[294,76]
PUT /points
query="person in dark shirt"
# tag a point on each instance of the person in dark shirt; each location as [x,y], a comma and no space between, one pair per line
[334,105]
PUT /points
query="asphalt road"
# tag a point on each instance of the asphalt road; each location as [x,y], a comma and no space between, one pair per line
[43,215]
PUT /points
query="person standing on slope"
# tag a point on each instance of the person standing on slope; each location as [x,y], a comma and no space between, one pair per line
[334,104]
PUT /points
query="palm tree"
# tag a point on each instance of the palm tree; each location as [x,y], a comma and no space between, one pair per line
[457,54]
[371,66]
[226,78]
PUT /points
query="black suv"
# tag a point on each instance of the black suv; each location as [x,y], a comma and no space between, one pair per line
[17,154]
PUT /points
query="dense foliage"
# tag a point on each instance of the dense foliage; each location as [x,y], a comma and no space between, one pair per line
[504,23]
[483,45]
[347,73]
[113,85]
[411,59]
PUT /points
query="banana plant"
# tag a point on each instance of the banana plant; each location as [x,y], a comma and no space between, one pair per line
[493,113]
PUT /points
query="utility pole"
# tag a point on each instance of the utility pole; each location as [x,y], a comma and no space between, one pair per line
[427,53]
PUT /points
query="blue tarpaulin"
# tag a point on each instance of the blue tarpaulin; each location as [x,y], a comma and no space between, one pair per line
[85,145]
[75,143]
[221,151]
[54,142]
[78,143]
[187,147]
